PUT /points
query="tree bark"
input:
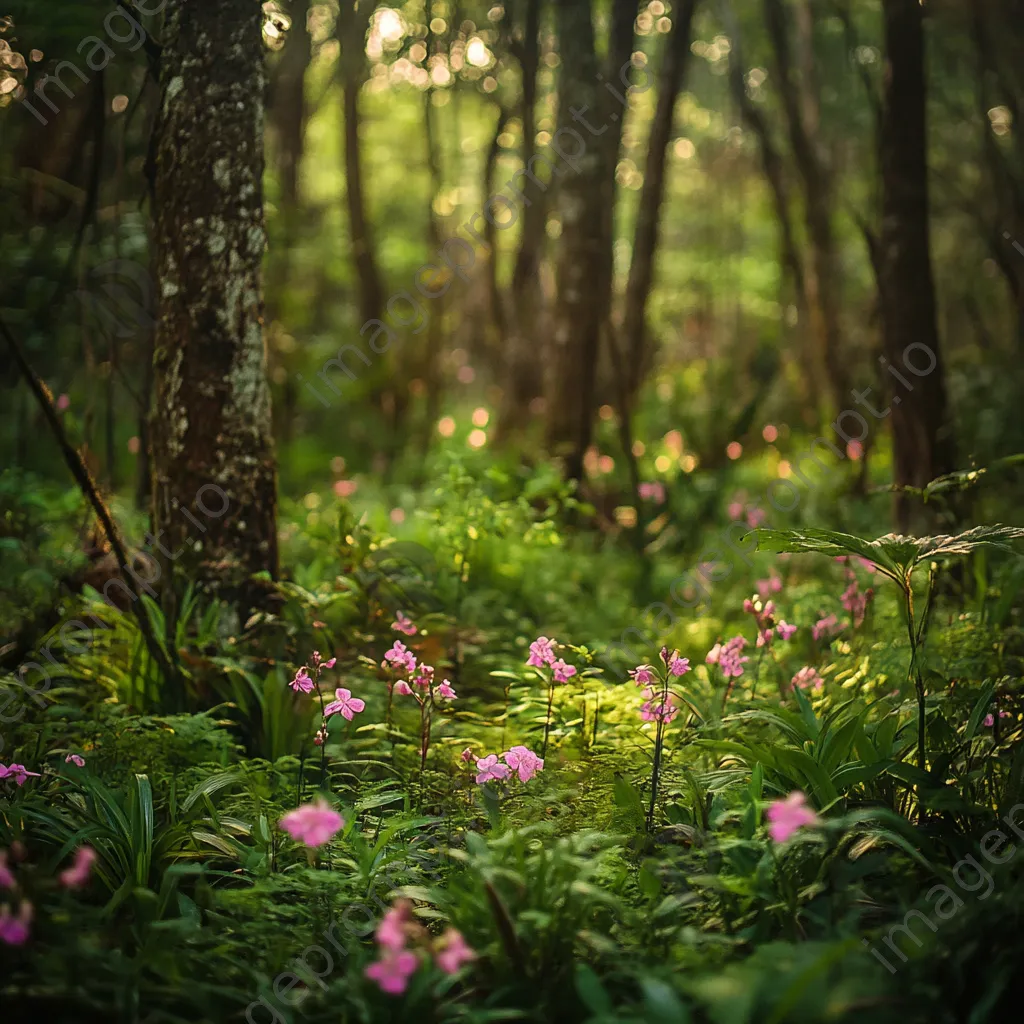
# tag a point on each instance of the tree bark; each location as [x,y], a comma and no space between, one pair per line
[922,438]
[590,120]
[214,488]
[351,34]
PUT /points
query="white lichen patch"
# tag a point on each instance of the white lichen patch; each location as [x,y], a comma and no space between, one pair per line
[222,173]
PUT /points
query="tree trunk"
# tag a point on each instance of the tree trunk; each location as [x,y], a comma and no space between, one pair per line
[648,218]
[590,125]
[351,33]
[214,486]
[922,438]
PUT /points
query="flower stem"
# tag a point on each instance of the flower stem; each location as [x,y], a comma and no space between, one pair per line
[547,722]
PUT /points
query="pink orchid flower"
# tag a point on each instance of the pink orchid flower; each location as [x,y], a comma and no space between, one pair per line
[445,691]
[523,761]
[454,952]
[642,675]
[542,652]
[401,657]
[77,875]
[313,824]
[562,672]
[828,626]
[466,755]
[391,932]
[403,625]
[735,510]
[346,704]
[402,688]
[679,666]
[7,879]
[772,585]
[786,816]
[18,772]
[75,759]
[655,711]
[806,677]
[714,655]
[392,971]
[490,767]
[302,681]
[14,931]
[785,630]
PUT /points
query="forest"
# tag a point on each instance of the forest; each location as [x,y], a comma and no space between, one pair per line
[510,510]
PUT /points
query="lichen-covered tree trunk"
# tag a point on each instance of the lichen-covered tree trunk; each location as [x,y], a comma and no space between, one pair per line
[922,438]
[214,480]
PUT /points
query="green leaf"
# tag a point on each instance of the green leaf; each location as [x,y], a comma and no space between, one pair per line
[591,991]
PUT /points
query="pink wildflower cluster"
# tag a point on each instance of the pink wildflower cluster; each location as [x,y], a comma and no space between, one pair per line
[403,624]
[303,681]
[76,876]
[737,510]
[313,824]
[397,963]
[856,602]
[826,628]
[656,709]
[399,657]
[786,816]
[728,656]
[989,720]
[542,652]
[808,677]
[518,760]
[772,585]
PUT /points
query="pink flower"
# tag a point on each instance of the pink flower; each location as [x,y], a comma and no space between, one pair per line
[988,721]
[466,755]
[642,675]
[77,875]
[542,652]
[655,711]
[302,681]
[7,879]
[445,691]
[826,627]
[523,761]
[490,768]
[755,517]
[562,672]
[14,930]
[714,655]
[403,625]
[391,931]
[17,772]
[856,603]
[807,676]
[313,824]
[748,606]
[652,492]
[764,637]
[331,663]
[320,738]
[392,971]
[403,688]
[785,630]
[786,816]
[735,510]
[401,657]
[678,666]
[454,952]
[772,585]
[346,704]
[729,658]
[424,677]
[63,402]
[75,759]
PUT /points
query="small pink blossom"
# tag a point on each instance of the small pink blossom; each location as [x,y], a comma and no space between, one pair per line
[466,755]
[392,971]
[772,585]
[403,624]
[490,767]
[728,656]
[642,675]
[786,816]
[678,666]
[302,681]
[856,603]
[402,688]
[391,932]
[346,704]
[826,627]
[755,517]
[655,711]
[320,738]
[77,875]
[63,403]
[542,652]
[424,677]
[714,655]
[748,606]
[75,759]
[785,630]
[330,663]
[445,691]
[735,510]
[7,879]
[764,638]
[313,824]
[523,761]
[454,952]
[562,672]
[988,721]
[806,677]
[18,772]
[14,931]
[401,657]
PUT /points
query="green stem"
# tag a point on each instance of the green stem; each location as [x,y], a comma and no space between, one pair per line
[547,722]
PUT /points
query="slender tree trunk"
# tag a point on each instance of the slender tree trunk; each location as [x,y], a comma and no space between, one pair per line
[590,119]
[289,109]
[648,218]
[351,33]
[922,437]
[214,488]
[800,103]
